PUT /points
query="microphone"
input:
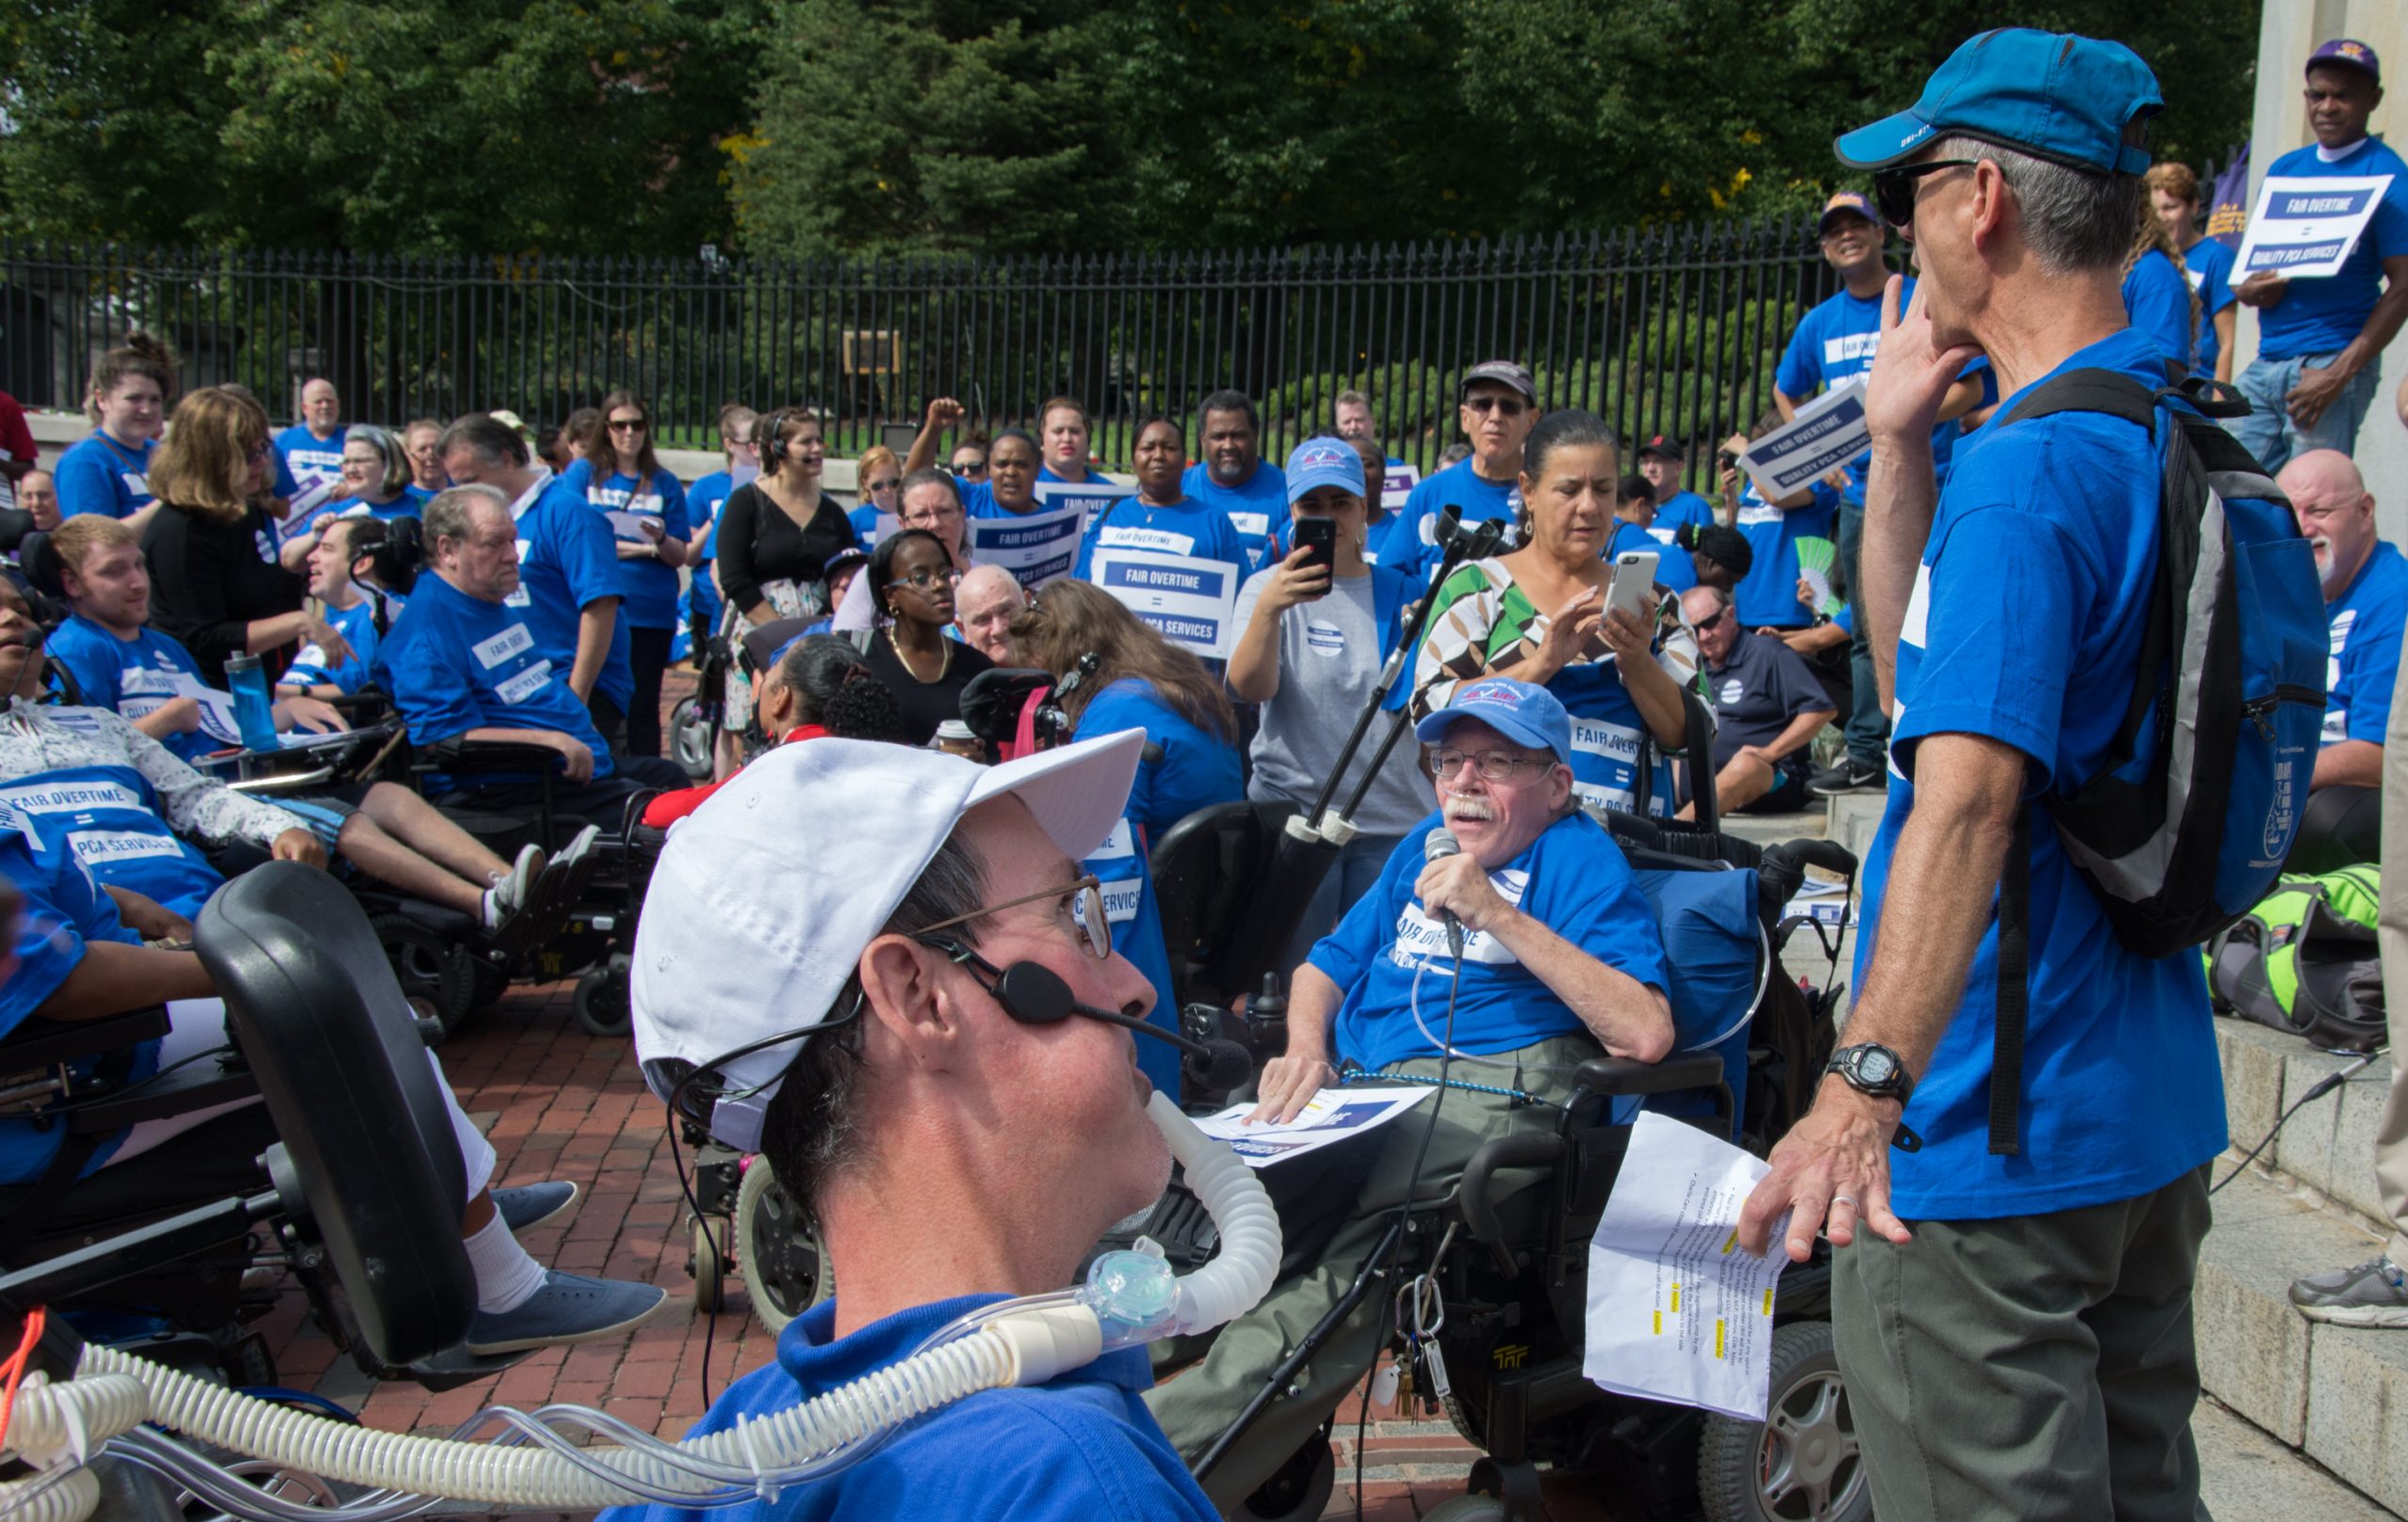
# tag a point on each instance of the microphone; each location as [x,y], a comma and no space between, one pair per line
[1437,846]
[1035,994]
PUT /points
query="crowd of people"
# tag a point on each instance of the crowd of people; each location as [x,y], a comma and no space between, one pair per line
[1241,615]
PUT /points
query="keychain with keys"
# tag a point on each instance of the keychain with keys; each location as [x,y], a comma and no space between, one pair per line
[1422,1314]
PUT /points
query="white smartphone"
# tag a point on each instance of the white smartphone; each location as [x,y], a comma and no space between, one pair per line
[1634,585]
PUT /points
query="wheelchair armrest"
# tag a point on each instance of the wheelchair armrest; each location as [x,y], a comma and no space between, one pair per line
[1527,1149]
[287,782]
[46,1043]
[468,756]
[1625,1075]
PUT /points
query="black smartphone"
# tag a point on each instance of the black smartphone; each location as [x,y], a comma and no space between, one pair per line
[1319,536]
[1729,461]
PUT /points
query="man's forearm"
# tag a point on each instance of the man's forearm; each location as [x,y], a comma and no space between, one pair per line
[2349,764]
[1800,733]
[1901,493]
[114,977]
[1629,1018]
[1312,999]
[594,626]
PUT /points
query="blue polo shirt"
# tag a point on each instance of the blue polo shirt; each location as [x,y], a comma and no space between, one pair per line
[2157,300]
[1409,541]
[133,678]
[648,586]
[2323,316]
[1080,1447]
[2364,623]
[1256,507]
[565,561]
[2048,529]
[2207,265]
[1767,597]
[98,474]
[64,912]
[454,663]
[357,624]
[1574,879]
[305,457]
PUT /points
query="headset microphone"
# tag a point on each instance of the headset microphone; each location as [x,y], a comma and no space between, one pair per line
[1439,844]
[1035,994]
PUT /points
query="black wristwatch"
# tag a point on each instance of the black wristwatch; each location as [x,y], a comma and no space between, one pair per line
[1873,1069]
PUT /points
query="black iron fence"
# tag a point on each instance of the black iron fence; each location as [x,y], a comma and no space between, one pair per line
[1672,330]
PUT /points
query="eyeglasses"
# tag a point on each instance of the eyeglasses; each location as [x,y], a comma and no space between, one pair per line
[1082,900]
[1894,190]
[1506,407]
[1493,766]
[257,451]
[925,579]
[887,484]
[973,469]
[627,425]
[928,517]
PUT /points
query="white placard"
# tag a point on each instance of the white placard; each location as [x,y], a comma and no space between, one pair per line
[1189,601]
[1034,547]
[2304,228]
[1397,485]
[1827,433]
[1677,1310]
[1331,1116]
[1091,495]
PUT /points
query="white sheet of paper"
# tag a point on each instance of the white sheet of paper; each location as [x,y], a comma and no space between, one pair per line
[629,526]
[1827,433]
[1189,601]
[1677,1310]
[1331,1116]
[2304,228]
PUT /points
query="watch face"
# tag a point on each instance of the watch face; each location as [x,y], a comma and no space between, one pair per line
[1875,1066]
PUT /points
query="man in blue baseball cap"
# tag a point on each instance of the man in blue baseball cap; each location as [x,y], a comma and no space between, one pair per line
[2012,1319]
[1558,953]
[2320,342]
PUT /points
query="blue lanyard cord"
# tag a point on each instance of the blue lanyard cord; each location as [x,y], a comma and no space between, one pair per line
[1517,1095]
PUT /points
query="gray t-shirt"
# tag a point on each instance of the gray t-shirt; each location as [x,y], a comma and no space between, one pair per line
[1329,661]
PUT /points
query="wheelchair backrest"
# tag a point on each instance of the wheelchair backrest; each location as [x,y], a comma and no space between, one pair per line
[365,1132]
[1208,873]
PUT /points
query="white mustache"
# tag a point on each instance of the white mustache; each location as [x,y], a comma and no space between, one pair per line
[1470,808]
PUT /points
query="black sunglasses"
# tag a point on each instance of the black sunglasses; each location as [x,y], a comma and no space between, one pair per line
[1894,190]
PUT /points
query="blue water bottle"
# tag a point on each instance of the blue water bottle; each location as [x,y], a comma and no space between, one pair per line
[254,711]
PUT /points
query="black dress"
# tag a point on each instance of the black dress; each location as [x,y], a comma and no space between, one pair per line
[758,542]
[924,704]
[210,580]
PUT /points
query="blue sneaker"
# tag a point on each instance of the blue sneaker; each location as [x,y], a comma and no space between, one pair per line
[570,1308]
[532,1204]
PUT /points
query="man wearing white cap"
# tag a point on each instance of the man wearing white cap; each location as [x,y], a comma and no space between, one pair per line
[890,978]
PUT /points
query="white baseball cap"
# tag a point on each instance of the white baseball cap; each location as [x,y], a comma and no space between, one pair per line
[764,898]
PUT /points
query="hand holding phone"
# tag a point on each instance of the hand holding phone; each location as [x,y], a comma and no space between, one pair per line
[1634,585]
[1318,537]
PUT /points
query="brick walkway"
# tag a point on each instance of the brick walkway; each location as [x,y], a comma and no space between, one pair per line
[560,1104]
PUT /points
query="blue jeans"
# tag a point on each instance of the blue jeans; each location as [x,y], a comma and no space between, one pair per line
[1349,878]
[2269,431]
[1868,727]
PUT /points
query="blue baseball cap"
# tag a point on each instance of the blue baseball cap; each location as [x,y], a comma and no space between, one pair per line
[2350,52]
[1848,203]
[1323,462]
[2073,99]
[1517,710]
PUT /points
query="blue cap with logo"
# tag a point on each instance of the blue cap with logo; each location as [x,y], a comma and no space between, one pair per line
[1519,711]
[1848,203]
[2350,52]
[1323,462]
[2073,99]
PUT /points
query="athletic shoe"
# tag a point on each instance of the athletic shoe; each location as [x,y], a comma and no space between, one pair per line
[581,843]
[513,885]
[532,1204]
[2372,1294]
[1847,776]
[570,1308]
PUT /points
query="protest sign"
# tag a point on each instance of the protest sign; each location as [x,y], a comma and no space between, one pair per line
[2304,229]
[1034,547]
[1827,433]
[1398,485]
[1190,601]
[1091,495]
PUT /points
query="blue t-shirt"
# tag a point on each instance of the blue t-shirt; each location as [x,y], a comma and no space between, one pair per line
[1409,540]
[98,474]
[2323,316]
[1080,1447]
[419,497]
[1767,597]
[1258,508]
[648,586]
[1187,530]
[109,818]
[1675,567]
[871,525]
[2157,300]
[707,496]
[454,663]
[408,502]
[1574,879]
[2364,623]
[2025,626]
[2207,265]
[357,624]
[133,678]
[307,458]
[565,561]
[1684,509]
[64,912]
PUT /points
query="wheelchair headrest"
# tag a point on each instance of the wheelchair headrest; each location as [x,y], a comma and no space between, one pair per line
[41,564]
[343,1069]
[15,523]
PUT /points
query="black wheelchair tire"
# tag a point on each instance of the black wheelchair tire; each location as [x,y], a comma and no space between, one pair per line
[708,1256]
[488,983]
[1466,1509]
[429,967]
[1736,1460]
[782,1265]
[601,1004]
[689,740]
[1300,1491]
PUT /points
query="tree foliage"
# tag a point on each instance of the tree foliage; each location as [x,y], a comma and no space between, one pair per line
[910,126]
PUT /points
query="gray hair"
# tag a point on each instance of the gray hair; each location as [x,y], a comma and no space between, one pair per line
[390,455]
[1349,399]
[2074,220]
[447,515]
[492,440]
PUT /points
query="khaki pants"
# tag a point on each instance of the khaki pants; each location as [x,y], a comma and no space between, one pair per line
[1194,1407]
[2391,1133]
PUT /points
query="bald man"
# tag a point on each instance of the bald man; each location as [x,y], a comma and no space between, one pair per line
[311,449]
[2365,601]
[37,494]
[983,607]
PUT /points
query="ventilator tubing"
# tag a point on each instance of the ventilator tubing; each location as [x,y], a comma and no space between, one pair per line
[1024,1341]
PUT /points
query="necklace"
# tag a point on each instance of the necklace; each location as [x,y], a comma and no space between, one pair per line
[944,658]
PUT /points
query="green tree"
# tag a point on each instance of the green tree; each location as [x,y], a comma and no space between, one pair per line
[930,126]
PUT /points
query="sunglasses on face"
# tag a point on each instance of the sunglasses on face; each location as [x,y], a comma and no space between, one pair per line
[1716,622]
[887,484]
[627,425]
[1894,190]
[1506,407]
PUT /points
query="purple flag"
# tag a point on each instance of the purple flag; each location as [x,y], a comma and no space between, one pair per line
[2228,203]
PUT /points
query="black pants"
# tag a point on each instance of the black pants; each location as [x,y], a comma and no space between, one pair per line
[602,803]
[648,653]
[2341,826]
[608,722]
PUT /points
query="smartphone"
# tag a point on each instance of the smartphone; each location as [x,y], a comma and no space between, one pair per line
[1633,587]
[1319,537]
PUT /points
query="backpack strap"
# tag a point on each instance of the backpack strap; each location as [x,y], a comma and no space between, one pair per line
[2110,392]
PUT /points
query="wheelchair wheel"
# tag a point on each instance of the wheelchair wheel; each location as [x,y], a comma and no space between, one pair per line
[602,1002]
[1466,1509]
[707,1260]
[1804,1462]
[689,739]
[429,967]
[488,983]
[1298,1490]
[781,1261]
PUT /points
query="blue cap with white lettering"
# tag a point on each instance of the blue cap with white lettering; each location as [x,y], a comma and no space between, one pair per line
[2072,100]
[1517,710]
[1323,462]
